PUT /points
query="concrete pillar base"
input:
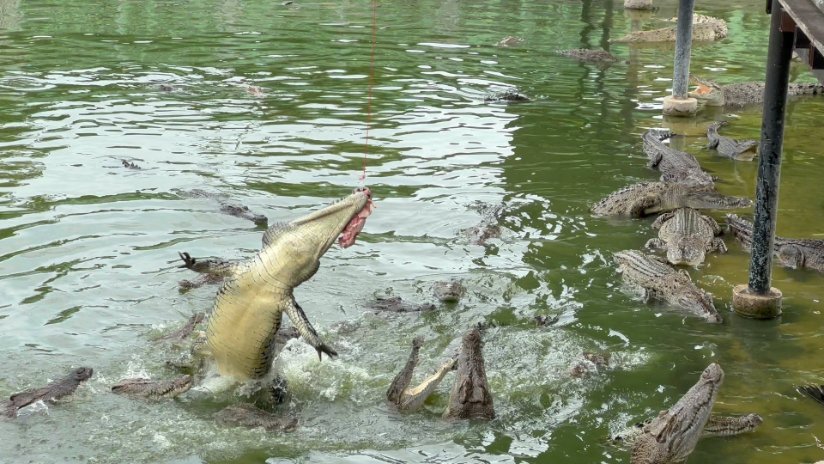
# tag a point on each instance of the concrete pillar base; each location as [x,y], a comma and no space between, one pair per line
[638,4]
[683,107]
[748,304]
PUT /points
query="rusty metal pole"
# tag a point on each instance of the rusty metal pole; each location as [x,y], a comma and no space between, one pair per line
[680,104]
[768,299]
[683,49]
[772,141]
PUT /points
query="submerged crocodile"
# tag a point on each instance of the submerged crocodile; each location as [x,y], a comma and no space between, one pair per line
[242,331]
[470,397]
[506,96]
[733,96]
[716,426]
[704,28]
[489,226]
[686,235]
[509,41]
[445,291]
[791,252]
[647,198]
[249,415]
[589,56]
[51,392]
[743,150]
[659,281]
[592,361]
[231,209]
[672,435]
[674,165]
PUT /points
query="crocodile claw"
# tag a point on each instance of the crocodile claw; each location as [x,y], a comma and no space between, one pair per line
[188,261]
[324,348]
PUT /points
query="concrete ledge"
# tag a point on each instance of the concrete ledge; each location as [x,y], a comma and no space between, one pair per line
[756,306]
[638,4]
[683,107]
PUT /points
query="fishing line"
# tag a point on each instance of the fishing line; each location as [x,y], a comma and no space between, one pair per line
[369,87]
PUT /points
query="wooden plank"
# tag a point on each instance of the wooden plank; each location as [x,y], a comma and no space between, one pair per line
[808,18]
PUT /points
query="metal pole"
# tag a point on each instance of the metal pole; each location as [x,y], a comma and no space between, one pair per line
[772,139]
[683,43]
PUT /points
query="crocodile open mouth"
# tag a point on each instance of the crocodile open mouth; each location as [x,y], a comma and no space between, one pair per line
[355,225]
[703,89]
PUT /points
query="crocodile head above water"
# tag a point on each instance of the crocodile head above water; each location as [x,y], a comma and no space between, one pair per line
[673,434]
[470,397]
[708,92]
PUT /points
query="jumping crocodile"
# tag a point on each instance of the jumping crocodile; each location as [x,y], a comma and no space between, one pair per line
[242,330]
[647,198]
[659,281]
[586,55]
[791,252]
[470,397]
[704,28]
[51,392]
[686,235]
[672,435]
[742,150]
[732,96]
[674,165]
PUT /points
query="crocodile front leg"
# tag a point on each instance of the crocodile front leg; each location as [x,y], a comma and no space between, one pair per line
[653,161]
[648,204]
[655,244]
[213,270]
[661,219]
[790,256]
[214,266]
[727,426]
[305,329]
[718,245]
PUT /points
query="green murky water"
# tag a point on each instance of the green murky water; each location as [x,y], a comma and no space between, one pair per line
[87,246]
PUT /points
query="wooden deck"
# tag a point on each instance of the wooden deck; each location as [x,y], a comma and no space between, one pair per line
[806,19]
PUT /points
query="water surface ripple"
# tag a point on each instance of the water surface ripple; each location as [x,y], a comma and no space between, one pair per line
[116,113]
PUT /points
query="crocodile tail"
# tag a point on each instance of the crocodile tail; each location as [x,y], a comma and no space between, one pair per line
[741,229]
[805,89]
[815,392]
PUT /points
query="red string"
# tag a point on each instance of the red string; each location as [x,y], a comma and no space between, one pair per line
[371,81]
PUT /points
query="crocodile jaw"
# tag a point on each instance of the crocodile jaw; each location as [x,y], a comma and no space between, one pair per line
[294,252]
[688,251]
[321,228]
[693,411]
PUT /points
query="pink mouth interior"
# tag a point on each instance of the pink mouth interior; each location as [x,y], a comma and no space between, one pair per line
[353,228]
